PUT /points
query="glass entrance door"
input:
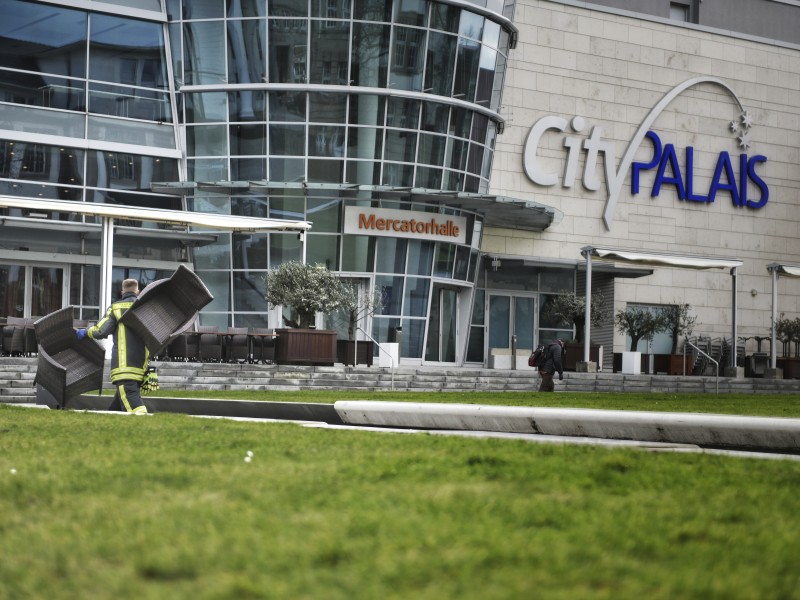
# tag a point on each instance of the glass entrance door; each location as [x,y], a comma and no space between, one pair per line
[443,325]
[509,316]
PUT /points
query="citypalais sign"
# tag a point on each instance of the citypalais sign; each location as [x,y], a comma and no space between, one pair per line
[669,170]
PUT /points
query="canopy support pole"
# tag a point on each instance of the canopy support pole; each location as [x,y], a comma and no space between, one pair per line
[587,317]
[106,266]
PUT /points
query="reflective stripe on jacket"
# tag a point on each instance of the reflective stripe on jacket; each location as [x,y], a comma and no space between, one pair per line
[129,356]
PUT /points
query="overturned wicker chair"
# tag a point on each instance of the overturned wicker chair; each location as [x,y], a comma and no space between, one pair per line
[66,366]
[166,308]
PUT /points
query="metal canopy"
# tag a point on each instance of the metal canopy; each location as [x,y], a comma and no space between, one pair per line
[778,269]
[496,211]
[641,257]
[109,212]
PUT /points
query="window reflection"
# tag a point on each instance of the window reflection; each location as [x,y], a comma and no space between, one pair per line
[288,45]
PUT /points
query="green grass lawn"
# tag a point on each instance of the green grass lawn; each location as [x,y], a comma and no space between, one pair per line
[165,507]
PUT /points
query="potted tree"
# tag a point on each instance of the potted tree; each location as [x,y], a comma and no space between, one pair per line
[638,323]
[356,304]
[570,309]
[306,290]
[788,332]
[679,322]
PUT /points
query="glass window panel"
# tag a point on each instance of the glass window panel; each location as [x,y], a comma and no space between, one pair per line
[420,257]
[358,253]
[214,256]
[205,107]
[391,288]
[416,300]
[475,345]
[453,180]
[401,145]
[445,258]
[287,106]
[366,110]
[287,169]
[364,142]
[12,290]
[287,207]
[471,25]
[250,251]
[429,178]
[472,184]
[403,112]
[370,55]
[323,249]
[331,9]
[327,108]
[398,175]
[34,120]
[456,156]
[408,53]
[288,8]
[129,102]
[127,171]
[363,172]
[207,60]
[391,255]
[113,58]
[246,8]
[500,321]
[325,140]
[250,206]
[203,9]
[246,51]
[462,263]
[58,92]
[410,12]
[441,64]
[325,213]
[329,60]
[325,171]
[287,139]
[288,44]
[466,69]
[488,60]
[248,140]
[445,17]
[372,10]
[248,169]
[557,280]
[480,124]
[431,149]
[284,247]
[207,169]
[523,321]
[474,260]
[435,117]
[247,105]
[478,307]
[43,39]
[412,338]
[248,293]
[206,140]
[546,319]
[39,162]
[219,284]
[491,33]
[460,122]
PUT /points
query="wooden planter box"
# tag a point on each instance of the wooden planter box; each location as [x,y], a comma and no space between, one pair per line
[346,349]
[575,354]
[305,347]
[790,366]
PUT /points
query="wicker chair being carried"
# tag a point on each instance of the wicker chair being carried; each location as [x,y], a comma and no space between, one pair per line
[166,308]
[66,366]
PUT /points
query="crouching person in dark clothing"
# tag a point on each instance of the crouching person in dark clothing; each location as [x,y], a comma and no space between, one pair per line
[129,355]
[551,366]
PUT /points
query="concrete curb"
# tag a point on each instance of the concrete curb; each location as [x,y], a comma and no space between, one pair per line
[716,431]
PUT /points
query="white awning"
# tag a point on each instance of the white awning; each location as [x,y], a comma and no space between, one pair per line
[157,215]
[666,259]
[790,270]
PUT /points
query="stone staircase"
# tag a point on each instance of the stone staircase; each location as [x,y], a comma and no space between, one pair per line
[17,374]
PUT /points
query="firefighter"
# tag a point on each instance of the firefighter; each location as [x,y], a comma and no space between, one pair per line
[129,355]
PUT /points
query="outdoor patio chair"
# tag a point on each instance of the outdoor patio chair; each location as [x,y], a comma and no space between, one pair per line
[166,308]
[66,366]
[238,344]
[210,342]
[14,336]
[263,341]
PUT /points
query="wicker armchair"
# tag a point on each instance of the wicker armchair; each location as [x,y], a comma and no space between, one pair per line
[66,366]
[167,308]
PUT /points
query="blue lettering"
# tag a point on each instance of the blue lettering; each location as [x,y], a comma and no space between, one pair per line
[751,173]
[690,195]
[669,158]
[636,167]
[724,164]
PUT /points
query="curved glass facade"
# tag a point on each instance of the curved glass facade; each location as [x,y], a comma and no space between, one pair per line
[271,108]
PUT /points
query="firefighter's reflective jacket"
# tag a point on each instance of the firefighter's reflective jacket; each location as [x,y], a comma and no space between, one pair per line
[129,356]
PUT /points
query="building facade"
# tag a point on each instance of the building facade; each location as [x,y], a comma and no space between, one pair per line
[454,155]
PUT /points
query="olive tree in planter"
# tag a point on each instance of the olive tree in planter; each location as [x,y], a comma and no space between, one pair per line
[356,304]
[307,289]
[570,309]
[678,321]
[639,323]
[788,332]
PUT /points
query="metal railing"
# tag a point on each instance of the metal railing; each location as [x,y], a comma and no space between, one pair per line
[377,343]
[716,364]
